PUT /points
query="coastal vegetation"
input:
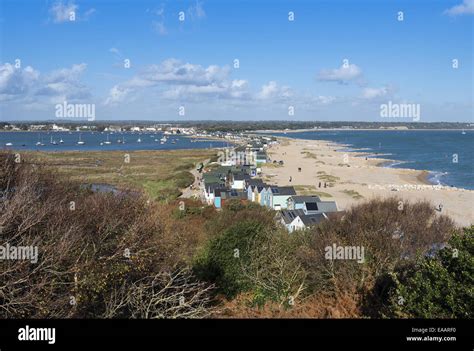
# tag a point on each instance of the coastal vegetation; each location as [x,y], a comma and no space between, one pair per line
[120,255]
[352,193]
[161,174]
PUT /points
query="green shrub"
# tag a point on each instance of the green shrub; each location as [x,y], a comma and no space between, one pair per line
[221,260]
[438,287]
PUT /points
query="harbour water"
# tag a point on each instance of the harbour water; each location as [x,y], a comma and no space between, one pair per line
[97,141]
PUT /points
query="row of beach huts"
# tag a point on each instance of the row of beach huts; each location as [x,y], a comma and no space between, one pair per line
[225,182]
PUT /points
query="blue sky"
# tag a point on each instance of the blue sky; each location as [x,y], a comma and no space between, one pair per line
[46,58]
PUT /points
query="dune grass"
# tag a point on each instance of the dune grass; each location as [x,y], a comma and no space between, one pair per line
[352,193]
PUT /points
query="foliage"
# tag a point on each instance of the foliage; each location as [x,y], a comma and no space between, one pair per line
[438,287]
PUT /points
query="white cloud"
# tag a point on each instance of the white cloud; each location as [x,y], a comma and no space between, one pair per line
[18,84]
[64,12]
[116,95]
[465,8]
[173,71]
[64,84]
[324,100]
[375,93]
[272,90]
[343,74]
[175,79]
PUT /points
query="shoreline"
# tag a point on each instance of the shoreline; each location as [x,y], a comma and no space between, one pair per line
[322,168]
[424,176]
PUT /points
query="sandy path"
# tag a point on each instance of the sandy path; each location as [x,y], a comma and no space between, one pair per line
[196,189]
[351,178]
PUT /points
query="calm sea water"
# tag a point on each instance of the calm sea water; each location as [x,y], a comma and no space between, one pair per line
[423,150]
[126,141]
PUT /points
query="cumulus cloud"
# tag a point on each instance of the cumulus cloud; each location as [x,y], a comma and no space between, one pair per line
[65,84]
[16,82]
[117,94]
[173,71]
[272,90]
[465,8]
[178,80]
[63,12]
[343,74]
[28,84]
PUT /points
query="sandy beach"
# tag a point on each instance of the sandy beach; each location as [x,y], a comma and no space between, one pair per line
[352,177]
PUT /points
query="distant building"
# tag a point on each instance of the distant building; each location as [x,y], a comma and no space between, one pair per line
[297,202]
[311,204]
[298,220]
[277,196]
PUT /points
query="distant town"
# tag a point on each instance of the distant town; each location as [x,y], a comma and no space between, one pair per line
[191,127]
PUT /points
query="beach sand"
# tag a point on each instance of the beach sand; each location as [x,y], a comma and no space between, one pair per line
[351,178]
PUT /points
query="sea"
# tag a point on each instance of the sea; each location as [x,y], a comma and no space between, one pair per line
[98,141]
[448,155]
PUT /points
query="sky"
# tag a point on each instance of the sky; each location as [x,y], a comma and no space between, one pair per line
[338,60]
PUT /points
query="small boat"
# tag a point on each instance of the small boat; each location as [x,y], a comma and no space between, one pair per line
[39,143]
[8,144]
[61,141]
[107,142]
[53,142]
[156,139]
[164,139]
[463,132]
[139,140]
[80,142]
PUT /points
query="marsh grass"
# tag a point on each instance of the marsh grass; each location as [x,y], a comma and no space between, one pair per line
[160,174]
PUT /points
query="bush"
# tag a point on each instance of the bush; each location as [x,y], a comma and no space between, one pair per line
[90,245]
[220,262]
[437,287]
[390,231]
